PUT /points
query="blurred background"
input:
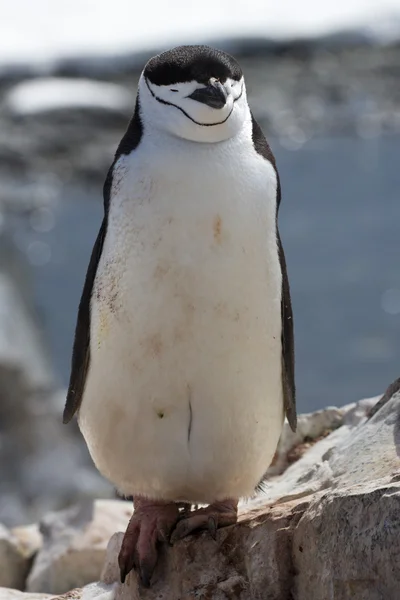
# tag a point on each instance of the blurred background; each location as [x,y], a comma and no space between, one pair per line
[324,83]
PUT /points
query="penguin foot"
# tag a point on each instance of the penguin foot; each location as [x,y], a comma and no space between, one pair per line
[212,517]
[151,523]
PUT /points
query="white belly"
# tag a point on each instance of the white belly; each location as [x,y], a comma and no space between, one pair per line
[183,399]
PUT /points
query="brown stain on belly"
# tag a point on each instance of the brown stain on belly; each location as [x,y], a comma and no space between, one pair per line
[222,310]
[115,418]
[153,345]
[161,270]
[217,229]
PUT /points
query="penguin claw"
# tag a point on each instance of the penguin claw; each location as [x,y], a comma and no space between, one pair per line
[145,578]
[125,567]
[211,518]
[212,527]
[150,524]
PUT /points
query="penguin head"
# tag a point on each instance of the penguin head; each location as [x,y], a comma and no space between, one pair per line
[193,92]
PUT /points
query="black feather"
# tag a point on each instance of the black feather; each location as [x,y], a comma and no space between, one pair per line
[81,351]
[288,371]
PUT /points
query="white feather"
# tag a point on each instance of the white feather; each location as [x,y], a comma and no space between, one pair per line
[183,399]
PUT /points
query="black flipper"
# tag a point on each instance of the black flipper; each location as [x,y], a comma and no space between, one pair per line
[81,351]
[288,378]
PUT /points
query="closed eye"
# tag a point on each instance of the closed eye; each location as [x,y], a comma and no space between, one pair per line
[172,90]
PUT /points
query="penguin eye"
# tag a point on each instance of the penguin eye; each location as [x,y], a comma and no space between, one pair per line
[173,90]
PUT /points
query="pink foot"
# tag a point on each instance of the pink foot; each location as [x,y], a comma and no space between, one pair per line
[218,514]
[152,522]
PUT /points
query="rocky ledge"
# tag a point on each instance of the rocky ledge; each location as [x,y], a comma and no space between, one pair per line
[326,526]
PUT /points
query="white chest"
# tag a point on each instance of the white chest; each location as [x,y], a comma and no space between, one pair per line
[185,328]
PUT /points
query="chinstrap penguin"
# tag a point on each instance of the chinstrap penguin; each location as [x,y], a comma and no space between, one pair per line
[183,359]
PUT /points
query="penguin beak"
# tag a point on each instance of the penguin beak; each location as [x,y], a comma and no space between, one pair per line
[214,94]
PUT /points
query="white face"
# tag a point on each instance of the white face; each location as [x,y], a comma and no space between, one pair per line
[170,108]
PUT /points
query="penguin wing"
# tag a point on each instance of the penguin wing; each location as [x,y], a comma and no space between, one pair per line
[261,146]
[288,381]
[81,350]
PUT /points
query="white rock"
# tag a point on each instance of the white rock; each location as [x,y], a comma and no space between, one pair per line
[309,426]
[93,591]
[74,546]
[16,553]
[29,538]
[372,451]
[10,594]
[98,590]
[316,469]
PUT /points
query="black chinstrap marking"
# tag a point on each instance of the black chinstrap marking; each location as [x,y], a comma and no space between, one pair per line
[161,101]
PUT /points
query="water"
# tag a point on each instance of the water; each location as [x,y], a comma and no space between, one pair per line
[339,221]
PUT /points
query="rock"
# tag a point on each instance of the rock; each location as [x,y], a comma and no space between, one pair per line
[310,427]
[10,594]
[74,545]
[392,389]
[29,538]
[16,553]
[347,544]
[100,591]
[312,471]
[327,528]
[250,560]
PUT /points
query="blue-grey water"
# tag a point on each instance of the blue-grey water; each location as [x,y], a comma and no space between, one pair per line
[340,224]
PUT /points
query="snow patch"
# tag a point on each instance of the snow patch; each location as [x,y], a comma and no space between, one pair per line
[53,93]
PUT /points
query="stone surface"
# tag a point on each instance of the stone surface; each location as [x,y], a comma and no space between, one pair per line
[74,545]
[97,590]
[310,427]
[11,594]
[29,538]
[250,560]
[313,471]
[16,554]
[347,544]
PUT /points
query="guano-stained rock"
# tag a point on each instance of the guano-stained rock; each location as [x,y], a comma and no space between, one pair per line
[11,594]
[16,554]
[74,545]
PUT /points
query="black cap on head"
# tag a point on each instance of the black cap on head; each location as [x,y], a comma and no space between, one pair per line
[191,63]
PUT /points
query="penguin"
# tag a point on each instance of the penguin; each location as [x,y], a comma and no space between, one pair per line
[183,358]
